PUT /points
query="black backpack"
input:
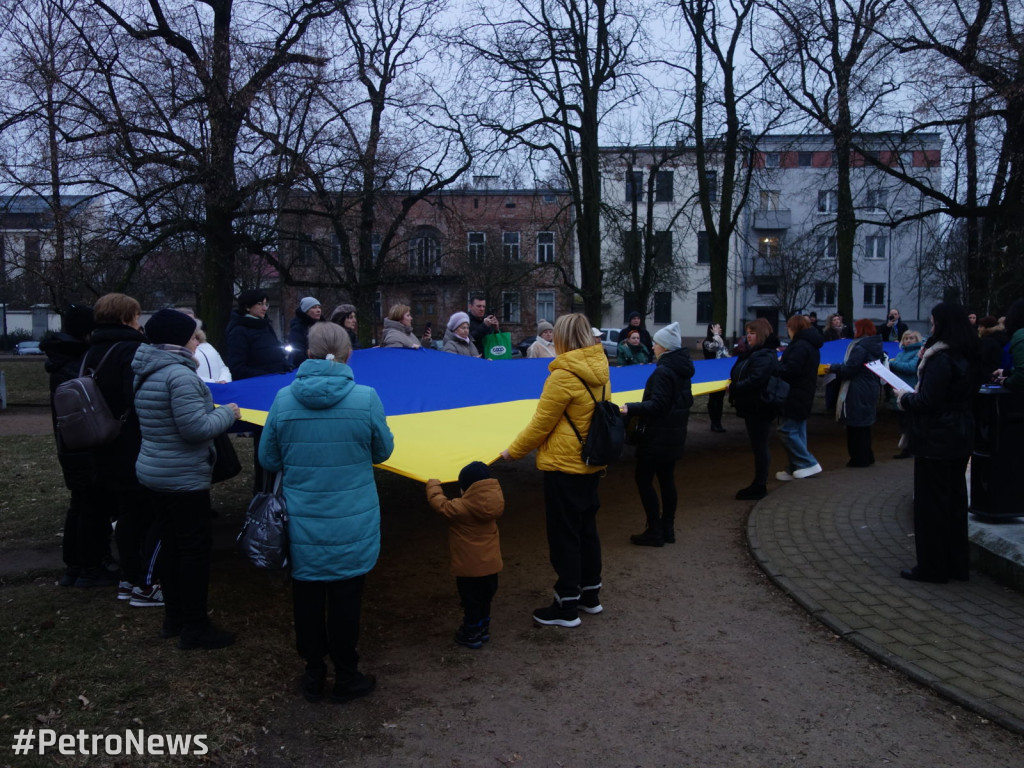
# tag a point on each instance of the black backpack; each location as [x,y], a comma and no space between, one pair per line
[607,431]
[84,420]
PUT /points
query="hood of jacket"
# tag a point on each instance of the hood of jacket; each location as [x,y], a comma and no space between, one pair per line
[873,345]
[589,363]
[150,358]
[811,336]
[678,361]
[911,348]
[320,384]
[304,319]
[396,325]
[62,349]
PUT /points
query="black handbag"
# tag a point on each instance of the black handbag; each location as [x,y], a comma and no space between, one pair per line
[226,464]
[263,539]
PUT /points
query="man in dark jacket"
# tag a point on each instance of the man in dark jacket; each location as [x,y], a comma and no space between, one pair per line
[636,323]
[799,368]
[253,348]
[664,414]
[894,328]
[85,545]
[480,323]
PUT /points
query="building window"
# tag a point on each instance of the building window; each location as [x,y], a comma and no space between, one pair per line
[305,254]
[876,199]
[825,294]
[375,247]
[771,159]
[510,205]
[805,159]
[711,179]
[634,186]
[546,306]
[874,247]
[703,248]
[425,254]
[335,249]
[548,197]
[509,307]
[545,247]
[828,248]
[767,289]
[663,187]
[663,307]
[705,307]
[663,248]
[874,294]
[768,247]
[770,199]
[476,246]
[632,246]
[828,201]
[510,245]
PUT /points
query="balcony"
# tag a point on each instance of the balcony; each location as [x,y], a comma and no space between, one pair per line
[777,218]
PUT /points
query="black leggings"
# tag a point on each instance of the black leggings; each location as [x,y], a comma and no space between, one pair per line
[644,474]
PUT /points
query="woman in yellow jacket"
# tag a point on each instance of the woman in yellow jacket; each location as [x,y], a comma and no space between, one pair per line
[570,486]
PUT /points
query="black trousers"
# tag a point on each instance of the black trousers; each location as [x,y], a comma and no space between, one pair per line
[476,593]
[184,520]
[86,528]
[663,518]
[716,403]
[940,518]
[327,615]
[759,430]
[137,512]
[858,443]
[571,505]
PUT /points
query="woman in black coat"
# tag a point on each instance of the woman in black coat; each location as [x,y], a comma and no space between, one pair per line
[941,432]
[664,414]
[799,368]
[748,379]
[858,396]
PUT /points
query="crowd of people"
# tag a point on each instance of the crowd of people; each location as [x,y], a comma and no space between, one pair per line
[324,432]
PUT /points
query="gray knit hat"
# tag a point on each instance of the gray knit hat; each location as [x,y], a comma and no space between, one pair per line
[669,337]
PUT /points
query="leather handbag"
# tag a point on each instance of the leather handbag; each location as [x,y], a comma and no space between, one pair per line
[226,465]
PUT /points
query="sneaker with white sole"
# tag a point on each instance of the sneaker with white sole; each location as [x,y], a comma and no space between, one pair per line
[147,597]
[784,476]
[124,590]
[800,474]
[563,612]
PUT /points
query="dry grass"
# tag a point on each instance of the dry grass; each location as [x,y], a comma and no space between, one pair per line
[26,379]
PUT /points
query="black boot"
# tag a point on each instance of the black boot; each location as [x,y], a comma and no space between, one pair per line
[752,491]
[668,530]
[563,612]
[470,635]
[652,537]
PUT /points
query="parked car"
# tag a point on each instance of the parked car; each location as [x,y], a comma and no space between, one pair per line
[524,346]
[27,348]
[610,341]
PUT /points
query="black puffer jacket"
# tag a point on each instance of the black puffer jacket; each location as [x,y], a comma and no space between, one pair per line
[861,404]
[941,421]
[115,462]
[799,368]
[748,378]
[63,362]
[253,348]
[298,336]
[665,409]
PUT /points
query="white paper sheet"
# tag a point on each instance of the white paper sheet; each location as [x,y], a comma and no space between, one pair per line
[890,378]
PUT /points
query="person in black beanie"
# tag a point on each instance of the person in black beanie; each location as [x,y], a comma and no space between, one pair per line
[475,546]
[86,542]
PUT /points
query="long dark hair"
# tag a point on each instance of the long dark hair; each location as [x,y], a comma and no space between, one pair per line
[953,328]
[1014,317]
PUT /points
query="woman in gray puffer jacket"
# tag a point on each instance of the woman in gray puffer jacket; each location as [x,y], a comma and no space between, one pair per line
[179,421]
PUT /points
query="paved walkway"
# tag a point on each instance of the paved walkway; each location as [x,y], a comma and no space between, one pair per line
[836,544]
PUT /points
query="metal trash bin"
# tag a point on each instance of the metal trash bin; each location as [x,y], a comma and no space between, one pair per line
[998,455]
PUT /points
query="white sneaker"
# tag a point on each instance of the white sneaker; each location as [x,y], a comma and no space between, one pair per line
[784,476]
[800,474]
[147,597]
[124,590]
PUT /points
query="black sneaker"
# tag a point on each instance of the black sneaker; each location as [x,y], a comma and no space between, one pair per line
[97,576]
[648,538]
[485,629]
[209,638]
[354,688]
[470,636]
[752,492]
[563,612]
[590,600]
[70,576]
[313,685]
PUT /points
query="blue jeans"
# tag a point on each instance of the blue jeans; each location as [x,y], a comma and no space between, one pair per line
[794,440]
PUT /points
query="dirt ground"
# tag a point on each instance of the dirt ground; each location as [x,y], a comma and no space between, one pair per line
[697,659]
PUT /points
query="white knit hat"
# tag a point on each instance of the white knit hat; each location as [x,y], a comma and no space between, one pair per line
[456,320]
[669,337]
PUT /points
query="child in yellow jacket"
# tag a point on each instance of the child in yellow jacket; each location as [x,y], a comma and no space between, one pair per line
[475,548]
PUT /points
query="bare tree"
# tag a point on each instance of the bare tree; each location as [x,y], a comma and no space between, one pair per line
[550,71]
[798,268]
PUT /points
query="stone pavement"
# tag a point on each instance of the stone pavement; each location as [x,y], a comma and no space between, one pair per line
[836,544]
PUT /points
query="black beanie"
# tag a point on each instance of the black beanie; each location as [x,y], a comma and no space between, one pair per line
[78,320]
[475,470]
[169,326]
[250,298]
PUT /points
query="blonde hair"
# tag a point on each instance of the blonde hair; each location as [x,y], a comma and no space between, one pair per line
[116,308]
[329,339]
[572,332]
[397,312]
[910,337]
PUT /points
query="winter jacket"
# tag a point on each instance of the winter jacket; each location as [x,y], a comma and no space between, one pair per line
[115,461]
[645,338]
[905,363]
[458,346]
[325,432]
[541,348]
[637,355]
[558,449]
[990,348]
[210,365]
[253,348]
[477,330]
[472,526]
[1015,377]
[748,379]
[298,336]
[64,355]
[398,334]
[859,406]
[892,333]
[178,420]
[665,409]
[941,424]
[799,368]
[714,348]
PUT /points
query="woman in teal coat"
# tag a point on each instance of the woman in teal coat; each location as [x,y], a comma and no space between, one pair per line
[325,433]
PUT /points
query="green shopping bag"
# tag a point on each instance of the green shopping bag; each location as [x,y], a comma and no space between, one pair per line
[498,346]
